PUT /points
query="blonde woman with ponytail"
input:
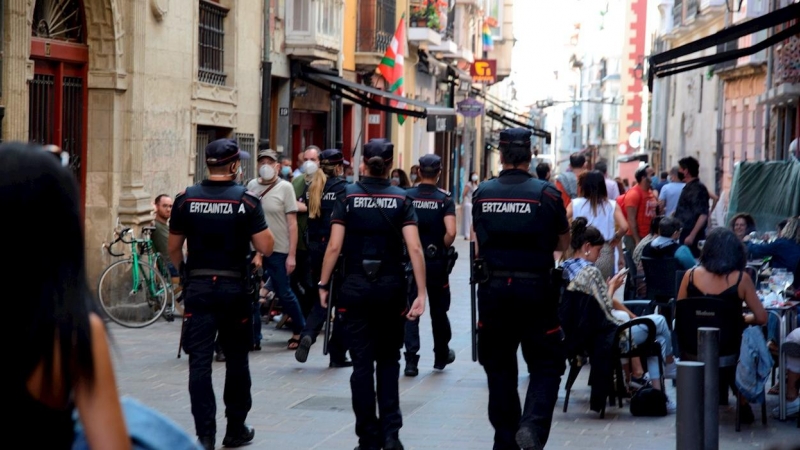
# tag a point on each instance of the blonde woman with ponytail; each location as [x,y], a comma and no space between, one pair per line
[325,187]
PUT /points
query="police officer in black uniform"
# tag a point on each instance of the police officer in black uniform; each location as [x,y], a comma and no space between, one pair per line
[518,222]
[321,196]
[219,219]
[370,223]
[436,218]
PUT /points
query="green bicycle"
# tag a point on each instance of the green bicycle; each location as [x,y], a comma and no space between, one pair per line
[137,291]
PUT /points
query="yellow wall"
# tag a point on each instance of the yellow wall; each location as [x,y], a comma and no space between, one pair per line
[349,42]
[402,135]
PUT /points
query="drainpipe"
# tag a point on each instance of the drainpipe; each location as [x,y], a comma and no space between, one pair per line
[719,170]
[338,107]
[266,84]
[770,68]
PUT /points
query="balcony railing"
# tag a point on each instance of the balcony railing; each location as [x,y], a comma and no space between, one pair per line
[677,13]
[313,25]
[376,25]
[787,62]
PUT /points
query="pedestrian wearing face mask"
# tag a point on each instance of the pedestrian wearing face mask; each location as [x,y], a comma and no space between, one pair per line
[414,176]
[466,204]
[301,278]
[400,179]
[280,209]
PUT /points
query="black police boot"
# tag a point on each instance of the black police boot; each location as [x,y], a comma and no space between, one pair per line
[220,356]
[393,444]
[340,362]
[527,439]
[301,354]
[411,365]
[206,442]
[440,365]
[238,436]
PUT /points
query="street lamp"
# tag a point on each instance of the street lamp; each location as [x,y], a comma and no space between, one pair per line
[638,70]
[731,3]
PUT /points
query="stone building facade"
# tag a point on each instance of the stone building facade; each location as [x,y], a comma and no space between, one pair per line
[133,90]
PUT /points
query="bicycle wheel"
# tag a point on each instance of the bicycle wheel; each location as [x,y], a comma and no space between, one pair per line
[133,300]
[163,268]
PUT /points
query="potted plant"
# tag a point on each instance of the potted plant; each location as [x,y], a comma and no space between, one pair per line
[433,17]
[418,17]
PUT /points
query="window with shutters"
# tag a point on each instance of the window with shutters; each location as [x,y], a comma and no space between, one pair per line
[211,42]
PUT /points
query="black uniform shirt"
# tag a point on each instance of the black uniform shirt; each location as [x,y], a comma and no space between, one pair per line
[518,220]
[218,220]
[319,228]
[369,235]
[432,205]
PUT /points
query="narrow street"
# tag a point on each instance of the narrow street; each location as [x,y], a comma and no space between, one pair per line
[308,406]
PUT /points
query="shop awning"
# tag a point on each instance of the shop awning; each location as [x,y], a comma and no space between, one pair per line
[511,122]
[660,65]
[373,98]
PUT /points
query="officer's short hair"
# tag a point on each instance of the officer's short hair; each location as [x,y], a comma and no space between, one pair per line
[515,146]
[577,160]
[602,167]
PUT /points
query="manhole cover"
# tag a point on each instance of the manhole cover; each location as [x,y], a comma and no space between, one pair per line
[344,404]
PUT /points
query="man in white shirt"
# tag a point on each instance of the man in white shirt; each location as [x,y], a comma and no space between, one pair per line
[611,185]
[671,192]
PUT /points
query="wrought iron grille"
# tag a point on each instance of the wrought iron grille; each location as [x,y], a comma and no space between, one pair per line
[42,105]
[72,122]
[247,143]
[376,25]
[202,139]
[211,53]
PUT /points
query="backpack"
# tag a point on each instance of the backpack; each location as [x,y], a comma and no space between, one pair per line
[754,365]
[649,402]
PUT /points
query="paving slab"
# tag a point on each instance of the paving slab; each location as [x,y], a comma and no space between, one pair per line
[307,406]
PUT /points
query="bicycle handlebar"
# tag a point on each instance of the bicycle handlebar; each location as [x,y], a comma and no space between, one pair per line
[120,238]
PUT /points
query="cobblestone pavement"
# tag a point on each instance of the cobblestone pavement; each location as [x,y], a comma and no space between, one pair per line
[307,406]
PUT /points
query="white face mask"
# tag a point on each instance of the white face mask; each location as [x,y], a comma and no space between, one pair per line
[311,167]
[474,178]
[267,172]
[413,177]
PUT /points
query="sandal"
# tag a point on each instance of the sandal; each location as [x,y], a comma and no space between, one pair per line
[293,344]
[774,390]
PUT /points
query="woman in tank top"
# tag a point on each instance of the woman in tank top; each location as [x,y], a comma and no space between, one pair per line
[59,353]
[593,204]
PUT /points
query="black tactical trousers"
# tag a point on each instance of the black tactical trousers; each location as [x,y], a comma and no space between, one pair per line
[514,312]
[218,305]
[438,305]
[373,314]
[316,319]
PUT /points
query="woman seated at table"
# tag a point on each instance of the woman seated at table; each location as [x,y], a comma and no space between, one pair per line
[785,254]
[784,251]
[742,225]
[666,245]
[583,276]
[721,275]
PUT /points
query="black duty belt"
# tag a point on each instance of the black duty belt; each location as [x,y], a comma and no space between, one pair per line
[215,273]
[520,274]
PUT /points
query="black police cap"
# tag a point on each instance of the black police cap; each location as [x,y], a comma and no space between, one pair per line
[224,151]
[332,156]
[518,137]
[430,163]
[380,147]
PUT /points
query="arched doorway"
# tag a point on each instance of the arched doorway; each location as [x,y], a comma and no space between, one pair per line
[58,91]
